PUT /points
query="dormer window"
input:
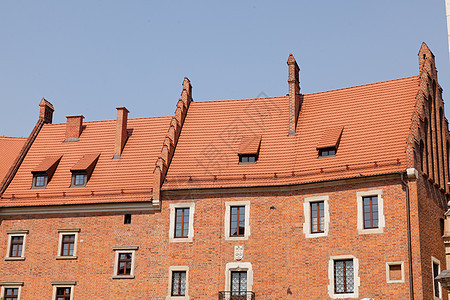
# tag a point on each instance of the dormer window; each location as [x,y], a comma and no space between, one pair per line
[329,142]
[83,169]
[42,173]
[249,149]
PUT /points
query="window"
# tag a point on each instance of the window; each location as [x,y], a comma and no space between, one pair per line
[237,225]
[16,244]
[330,151]
[127,219]
[10,290]
[178,282]
[317,216]
[67,247]
[39,180]
[343,276]
[181,228]
[238,280]
[63,290]
[395,272]
[238,283]
[436,269]
[79,179]
[237,221]
[370,206]
[124,262]
[250,158]
[370,212]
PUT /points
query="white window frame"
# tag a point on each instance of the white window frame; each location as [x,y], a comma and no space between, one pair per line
[63,232]
[12,233]
[238,266]
[356,279]
[307,213]
[434,260]
[360,214]
[388,278]
[186,292]
[63,284]
[227,222]
[173,207]
[117,251]
[10,285]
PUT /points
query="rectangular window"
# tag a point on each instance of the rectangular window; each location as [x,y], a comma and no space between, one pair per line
[237,221]
[79,178]
[317,217]
[252,158]
[178,283]
[370,213]
[68,244]
[331,151]
[343,276]
[181,222]
[436,271]
[11,294]
[124,263]
[39,180]
[395,272]
[63,293]
[16,246]
[238,284]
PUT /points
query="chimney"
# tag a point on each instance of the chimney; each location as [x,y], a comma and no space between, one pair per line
[74,126]
[294,94]
[186,93]
[121,131]
[46,111]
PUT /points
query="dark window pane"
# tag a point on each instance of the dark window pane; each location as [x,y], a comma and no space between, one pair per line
[181,222]
[437,292]
[178,283]
[68,244]
[16,246]
[343,276]
[237,221]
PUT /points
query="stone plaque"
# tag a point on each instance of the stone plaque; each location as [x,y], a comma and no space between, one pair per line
[238,252]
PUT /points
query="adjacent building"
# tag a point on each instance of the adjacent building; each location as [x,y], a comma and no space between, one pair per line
[332,195]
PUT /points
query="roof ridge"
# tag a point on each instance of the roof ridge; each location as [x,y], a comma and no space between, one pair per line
[364,85]
[230,100]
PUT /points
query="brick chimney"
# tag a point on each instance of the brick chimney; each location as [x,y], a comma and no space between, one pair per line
[294,94]
[121,131]
[46,111]
[74,126]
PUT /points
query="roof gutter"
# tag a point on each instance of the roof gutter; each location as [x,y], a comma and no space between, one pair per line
[408,224]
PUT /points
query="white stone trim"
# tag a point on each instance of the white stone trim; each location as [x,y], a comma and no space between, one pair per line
[116,262]
[388,278]
[238,266]
[11,285]
[186,294]
[228,204]
[55,286]
[356,278]
[173,207]
[63,232]
[307,213]
[360,214]
[434,260]
[8,246]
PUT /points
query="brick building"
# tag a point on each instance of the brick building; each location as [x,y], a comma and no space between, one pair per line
[332,195]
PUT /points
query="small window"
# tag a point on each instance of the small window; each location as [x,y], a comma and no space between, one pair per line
[343,276]
[178,283]
[127,219]
[395,272]
[181,222]
[16,244]
[370,213]
[436,265]
[11,294]
[63,293]
[40,180]
[252,158]
[331,151]
[124,262]
[67,247]
[237,221]
[79,179]
[317,217]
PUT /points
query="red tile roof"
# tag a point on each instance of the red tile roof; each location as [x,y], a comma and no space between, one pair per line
[47,163]
[10,148]
[330,137]
[376,118]
[250,144]
[85,162]
[129,178]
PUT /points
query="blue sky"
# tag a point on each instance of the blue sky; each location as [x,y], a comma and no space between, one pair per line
[87,57]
